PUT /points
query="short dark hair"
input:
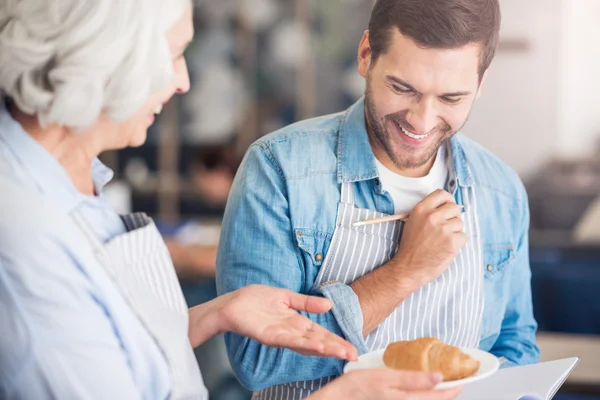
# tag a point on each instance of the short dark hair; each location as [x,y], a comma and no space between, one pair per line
[443,24]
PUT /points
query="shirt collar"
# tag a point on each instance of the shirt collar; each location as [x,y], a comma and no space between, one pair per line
[47,173]
[459,167]
[356,161]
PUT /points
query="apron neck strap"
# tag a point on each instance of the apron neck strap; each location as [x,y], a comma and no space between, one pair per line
[347,193]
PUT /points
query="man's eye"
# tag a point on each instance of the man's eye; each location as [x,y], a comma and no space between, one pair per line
[451,100]
[400,90]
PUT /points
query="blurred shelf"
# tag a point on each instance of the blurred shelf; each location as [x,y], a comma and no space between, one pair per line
[181,186]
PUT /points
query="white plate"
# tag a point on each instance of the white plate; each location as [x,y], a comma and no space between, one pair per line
[489,365]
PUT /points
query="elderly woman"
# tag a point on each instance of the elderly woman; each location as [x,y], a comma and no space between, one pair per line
[90,307]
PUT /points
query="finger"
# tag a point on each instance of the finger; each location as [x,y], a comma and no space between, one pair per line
[310,329]
[304,336]
[314,347]
[448,394]
[335,346]
[435,200]
[448,211]
[454,225]
[407,380]
[339,350]
[459,239]
[301,344]
[311,304]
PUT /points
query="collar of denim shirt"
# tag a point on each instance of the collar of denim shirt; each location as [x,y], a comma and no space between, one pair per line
[356,161]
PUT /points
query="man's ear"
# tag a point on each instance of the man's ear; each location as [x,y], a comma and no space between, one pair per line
[483,79]
[364,55]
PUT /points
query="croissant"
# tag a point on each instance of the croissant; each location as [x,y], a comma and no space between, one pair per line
[430,355]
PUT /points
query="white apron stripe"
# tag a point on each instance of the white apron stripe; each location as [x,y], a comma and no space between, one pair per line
[419,332]
[460,272]
[470,293]
[452,289]
[360,260]
[350,245]
[365,263]
[428,305]
[478,276]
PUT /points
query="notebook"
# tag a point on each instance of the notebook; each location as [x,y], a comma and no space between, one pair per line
[529,382]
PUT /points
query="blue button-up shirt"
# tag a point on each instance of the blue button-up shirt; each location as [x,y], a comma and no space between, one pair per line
[65,330]
[281,214]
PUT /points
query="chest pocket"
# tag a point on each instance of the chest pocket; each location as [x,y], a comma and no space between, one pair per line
[498,259]
[313,246]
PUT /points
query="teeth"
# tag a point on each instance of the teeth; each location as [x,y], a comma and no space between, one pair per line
[158,109]
[412,135]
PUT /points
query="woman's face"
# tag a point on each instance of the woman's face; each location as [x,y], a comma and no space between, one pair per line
[133,132]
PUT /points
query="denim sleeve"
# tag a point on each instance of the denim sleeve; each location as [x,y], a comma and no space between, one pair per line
[257,247]
[347,312]
[517,341]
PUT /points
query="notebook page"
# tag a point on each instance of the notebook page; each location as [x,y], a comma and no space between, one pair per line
[530,382]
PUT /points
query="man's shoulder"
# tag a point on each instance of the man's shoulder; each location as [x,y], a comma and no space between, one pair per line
[318,128]
[489,172]
[305,147]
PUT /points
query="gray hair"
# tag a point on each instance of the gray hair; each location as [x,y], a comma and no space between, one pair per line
[67,61]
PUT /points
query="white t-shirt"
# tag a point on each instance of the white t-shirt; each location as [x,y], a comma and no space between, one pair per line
[407,192]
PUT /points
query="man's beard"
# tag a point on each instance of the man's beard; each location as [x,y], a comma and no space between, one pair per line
[401,157]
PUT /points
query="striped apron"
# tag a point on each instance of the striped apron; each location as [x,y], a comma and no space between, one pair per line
[449,308]
[139,264]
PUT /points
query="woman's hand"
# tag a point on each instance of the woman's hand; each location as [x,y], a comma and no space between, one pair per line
[270,316]
[385,384]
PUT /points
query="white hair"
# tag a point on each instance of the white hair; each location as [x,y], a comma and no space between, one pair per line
[67,61]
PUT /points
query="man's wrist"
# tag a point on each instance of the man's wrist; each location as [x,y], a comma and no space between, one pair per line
[405,279]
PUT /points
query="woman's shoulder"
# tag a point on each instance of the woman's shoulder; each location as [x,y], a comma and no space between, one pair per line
[24,208]
[33,226]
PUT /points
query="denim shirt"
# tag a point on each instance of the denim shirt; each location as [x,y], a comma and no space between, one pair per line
[280,220]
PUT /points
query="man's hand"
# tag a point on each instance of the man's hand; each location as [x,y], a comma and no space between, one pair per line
[270,316]
[431,238]
[385,384]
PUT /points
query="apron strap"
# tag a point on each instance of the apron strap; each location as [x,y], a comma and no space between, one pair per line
[135,221]
[347,193]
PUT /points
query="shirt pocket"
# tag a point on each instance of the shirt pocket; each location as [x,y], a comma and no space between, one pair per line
[313,246]
[498,259]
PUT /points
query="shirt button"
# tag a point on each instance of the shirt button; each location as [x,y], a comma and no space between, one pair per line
[490,268]
[452,182]
[319,257]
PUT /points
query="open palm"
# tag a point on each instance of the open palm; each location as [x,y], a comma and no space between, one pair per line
[270,316]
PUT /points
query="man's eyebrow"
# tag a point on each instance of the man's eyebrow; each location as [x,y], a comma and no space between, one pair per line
[407,85]
[456,94]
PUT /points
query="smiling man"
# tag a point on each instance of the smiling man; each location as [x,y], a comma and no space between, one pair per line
[457,268]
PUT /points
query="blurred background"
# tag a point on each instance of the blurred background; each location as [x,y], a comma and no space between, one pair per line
[258,65]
